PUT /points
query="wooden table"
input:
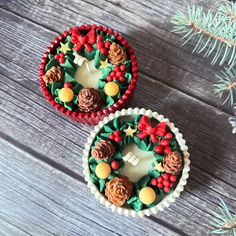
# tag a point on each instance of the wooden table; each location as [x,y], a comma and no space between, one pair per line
[42,189]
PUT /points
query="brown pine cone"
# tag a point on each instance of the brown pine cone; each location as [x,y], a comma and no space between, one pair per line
[103,150]
[116,54]
[118,190]
[89,100]
[53,75]
[173,163]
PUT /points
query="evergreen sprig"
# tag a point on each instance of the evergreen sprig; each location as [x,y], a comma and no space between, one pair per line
[211,33]
[226,86]
[225,222]
[214,35]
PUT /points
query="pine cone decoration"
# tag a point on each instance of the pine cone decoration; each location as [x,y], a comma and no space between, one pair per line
[118,190]
[89,100]
[103,150]
[116,54]
[173,163]
[53,75]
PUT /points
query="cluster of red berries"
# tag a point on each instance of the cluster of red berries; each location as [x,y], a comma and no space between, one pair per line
[115,165]
[164,145]
[60,57]
[165,181]
[103,47]
[118,73]
[115,136]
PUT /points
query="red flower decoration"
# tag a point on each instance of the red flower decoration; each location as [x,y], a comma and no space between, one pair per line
[83,40]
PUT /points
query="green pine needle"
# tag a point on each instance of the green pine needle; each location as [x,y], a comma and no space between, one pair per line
[226,222]
[213,34]
[228,9]
[226,86]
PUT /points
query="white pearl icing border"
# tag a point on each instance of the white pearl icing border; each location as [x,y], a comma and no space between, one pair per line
[169,198]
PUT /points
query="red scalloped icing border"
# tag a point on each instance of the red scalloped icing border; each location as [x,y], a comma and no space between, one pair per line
[91,118]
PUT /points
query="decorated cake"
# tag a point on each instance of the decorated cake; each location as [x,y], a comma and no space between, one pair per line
[136,162]
[88,72]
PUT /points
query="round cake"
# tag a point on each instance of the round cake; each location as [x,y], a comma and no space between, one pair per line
[88,72]
[136,162]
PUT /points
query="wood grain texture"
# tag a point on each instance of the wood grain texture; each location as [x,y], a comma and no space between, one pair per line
[45,201]
[41,150]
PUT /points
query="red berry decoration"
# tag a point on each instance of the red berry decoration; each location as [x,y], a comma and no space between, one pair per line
[115,165]
[164,142]
[99,37]
[115,136]
[60,57]
[168,135]
[167,150]
[67,85]
[117,133]
[159,149]
[122,67]
[171,185]
[117,74]
[166,183]
[160,179]
[160,185]
[166,189]
[118,139]
[154,182]
[111,136]
[107,44]
[102,46]
[166,176]
[173,178]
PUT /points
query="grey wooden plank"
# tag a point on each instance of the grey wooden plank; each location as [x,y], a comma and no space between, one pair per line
[10,229]
[159,53]
[44,201]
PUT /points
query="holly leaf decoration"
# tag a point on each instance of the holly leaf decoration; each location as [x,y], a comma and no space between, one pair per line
[132,199]
[68,105]
[92,167]
[102,183]
[158,157]
[143,181]
[116,123]
[91,160]
[140,143]
[55,86]
[153,173]
[108,129]
[52,62]
[77,88]
[94,178]
[137,205]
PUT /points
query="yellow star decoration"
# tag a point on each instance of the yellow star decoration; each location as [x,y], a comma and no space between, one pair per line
[159,167]
[129,131]
[104,64]
[64,47]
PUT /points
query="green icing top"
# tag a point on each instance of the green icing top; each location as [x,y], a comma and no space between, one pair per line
[69,69]
[144,144]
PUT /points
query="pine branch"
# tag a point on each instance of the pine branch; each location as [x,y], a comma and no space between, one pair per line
[212,34]
[228,9]
[226,86]
[225,222]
